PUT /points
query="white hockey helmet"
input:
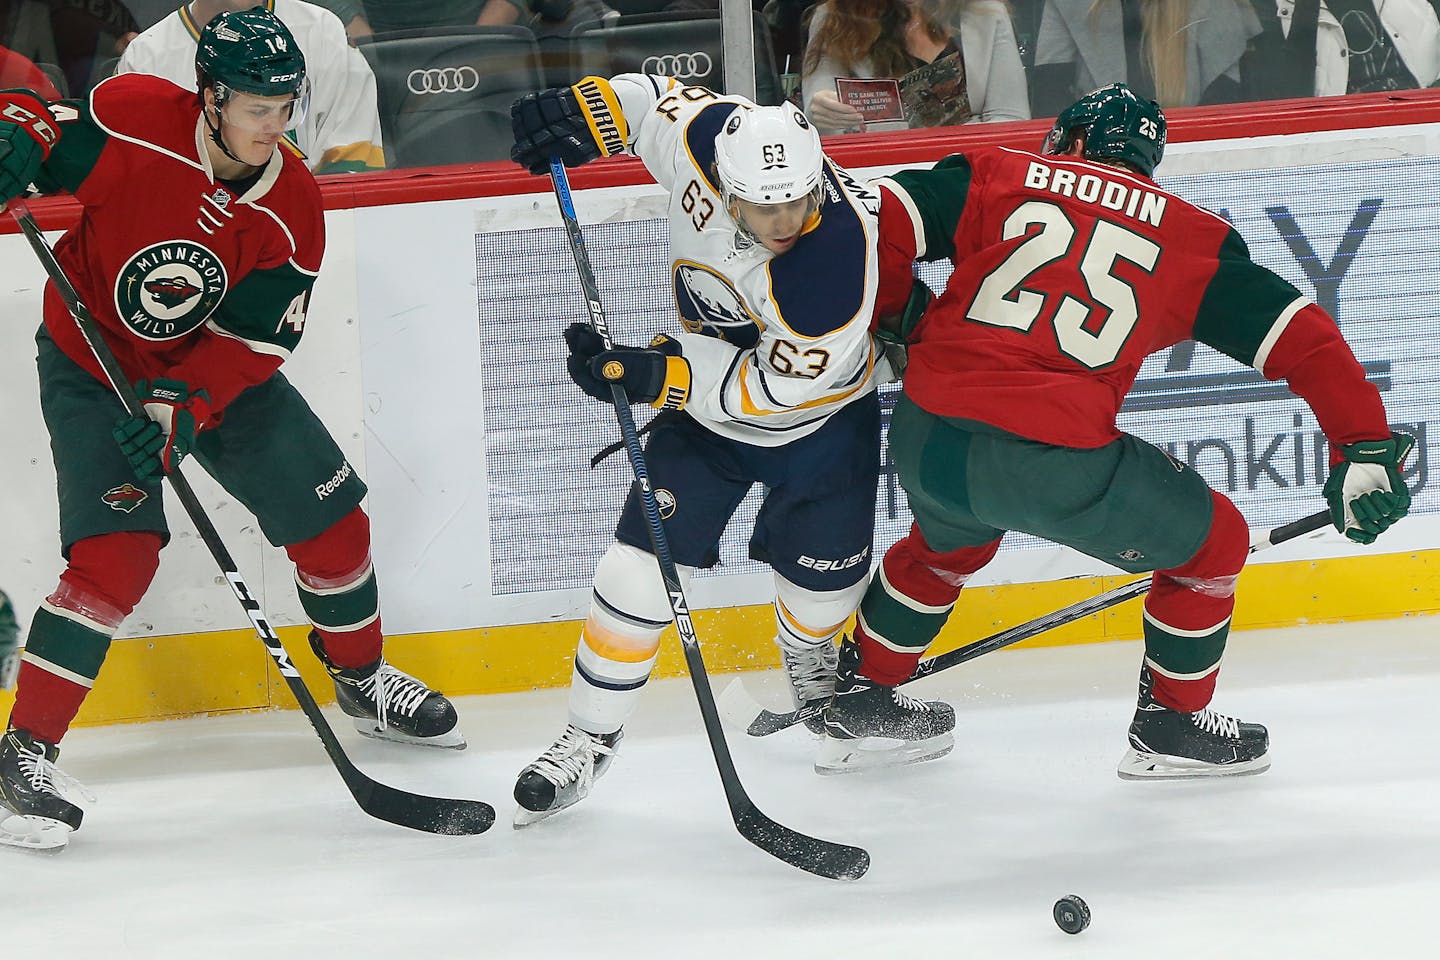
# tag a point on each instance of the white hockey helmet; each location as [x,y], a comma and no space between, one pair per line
[768,155]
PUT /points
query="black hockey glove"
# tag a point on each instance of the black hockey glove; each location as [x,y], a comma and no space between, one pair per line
[1365,491]
[577,124]
[27,132]
[657,374]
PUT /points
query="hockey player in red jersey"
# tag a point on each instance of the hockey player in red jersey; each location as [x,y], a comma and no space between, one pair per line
[1072,266]
[200,237]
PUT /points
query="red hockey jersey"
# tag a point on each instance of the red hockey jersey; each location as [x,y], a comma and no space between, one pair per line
[1068,274]
[188,280]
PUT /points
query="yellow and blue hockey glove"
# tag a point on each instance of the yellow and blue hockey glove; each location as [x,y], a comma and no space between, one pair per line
[658,374]
[577,124]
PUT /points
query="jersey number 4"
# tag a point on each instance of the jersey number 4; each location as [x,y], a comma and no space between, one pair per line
[1095,341]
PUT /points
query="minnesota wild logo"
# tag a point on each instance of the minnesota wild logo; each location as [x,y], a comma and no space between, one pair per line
[169,289]
[124,498]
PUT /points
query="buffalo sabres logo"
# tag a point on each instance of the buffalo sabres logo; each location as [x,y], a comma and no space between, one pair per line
[124,498]
[169,289]
[665,503]
[708,304]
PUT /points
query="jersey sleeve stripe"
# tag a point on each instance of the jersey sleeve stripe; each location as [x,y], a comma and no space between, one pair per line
[111,132]
[294,247]
[258,346]
[908,202]
[1262,353]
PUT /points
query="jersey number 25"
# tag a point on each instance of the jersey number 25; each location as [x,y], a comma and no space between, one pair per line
[1001,300]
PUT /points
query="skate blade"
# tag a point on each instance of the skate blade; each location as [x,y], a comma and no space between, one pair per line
[37,834]
[449,740]
[876,753]
[524,818]
[1136,765]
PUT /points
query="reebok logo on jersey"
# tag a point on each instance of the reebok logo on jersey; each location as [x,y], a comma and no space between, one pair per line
[169,288]
[330,486]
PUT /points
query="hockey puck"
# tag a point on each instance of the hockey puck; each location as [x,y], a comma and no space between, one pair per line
[1071,914]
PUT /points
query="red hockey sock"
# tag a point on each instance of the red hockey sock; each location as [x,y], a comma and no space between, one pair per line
[908,602]
[1187,613]
[338,590]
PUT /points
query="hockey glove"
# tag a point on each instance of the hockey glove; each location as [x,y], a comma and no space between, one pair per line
[657,374]
[157,445]
[1365,490]
[897,332]
[9,643]
[577,124]
[27,132]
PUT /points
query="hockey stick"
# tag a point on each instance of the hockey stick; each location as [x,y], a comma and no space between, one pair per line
[760,722]
[428,814]
[825,858]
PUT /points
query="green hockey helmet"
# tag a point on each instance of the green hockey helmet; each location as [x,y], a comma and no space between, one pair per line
[251,51]
[1117,125]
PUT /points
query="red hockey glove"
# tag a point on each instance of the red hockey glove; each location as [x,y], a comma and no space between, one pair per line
[27,133]
[157,444]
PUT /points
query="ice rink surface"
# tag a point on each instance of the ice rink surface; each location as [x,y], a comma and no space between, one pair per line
[232,837]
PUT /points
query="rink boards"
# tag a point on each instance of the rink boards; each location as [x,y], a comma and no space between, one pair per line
[433,354]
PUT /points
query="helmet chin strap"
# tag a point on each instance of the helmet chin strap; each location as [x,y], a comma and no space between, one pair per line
[218,138]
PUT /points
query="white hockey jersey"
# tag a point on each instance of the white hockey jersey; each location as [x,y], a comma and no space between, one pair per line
[776,344]
[341,131]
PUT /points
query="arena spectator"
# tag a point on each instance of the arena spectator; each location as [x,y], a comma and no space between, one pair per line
[904,40]
[1330,47]
[341,130]
[1177,52]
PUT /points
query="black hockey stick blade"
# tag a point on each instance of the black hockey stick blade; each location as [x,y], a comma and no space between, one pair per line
[765,722]
[427,814]
[438,815]
[824,858]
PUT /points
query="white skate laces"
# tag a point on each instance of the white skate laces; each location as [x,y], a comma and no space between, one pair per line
[44,777]
[1216,723]
[571,759]
[811,670]
[393,689]
[909,703]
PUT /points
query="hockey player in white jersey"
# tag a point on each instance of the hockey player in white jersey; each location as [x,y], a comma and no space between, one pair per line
[772,381]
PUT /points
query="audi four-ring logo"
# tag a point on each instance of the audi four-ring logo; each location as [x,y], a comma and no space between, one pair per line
[681,66]
[443,80]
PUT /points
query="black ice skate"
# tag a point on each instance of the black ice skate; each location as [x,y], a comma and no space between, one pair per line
[403,710]
[870,725]
[563,774]
[811,672]
[33,814]
[1167,744]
